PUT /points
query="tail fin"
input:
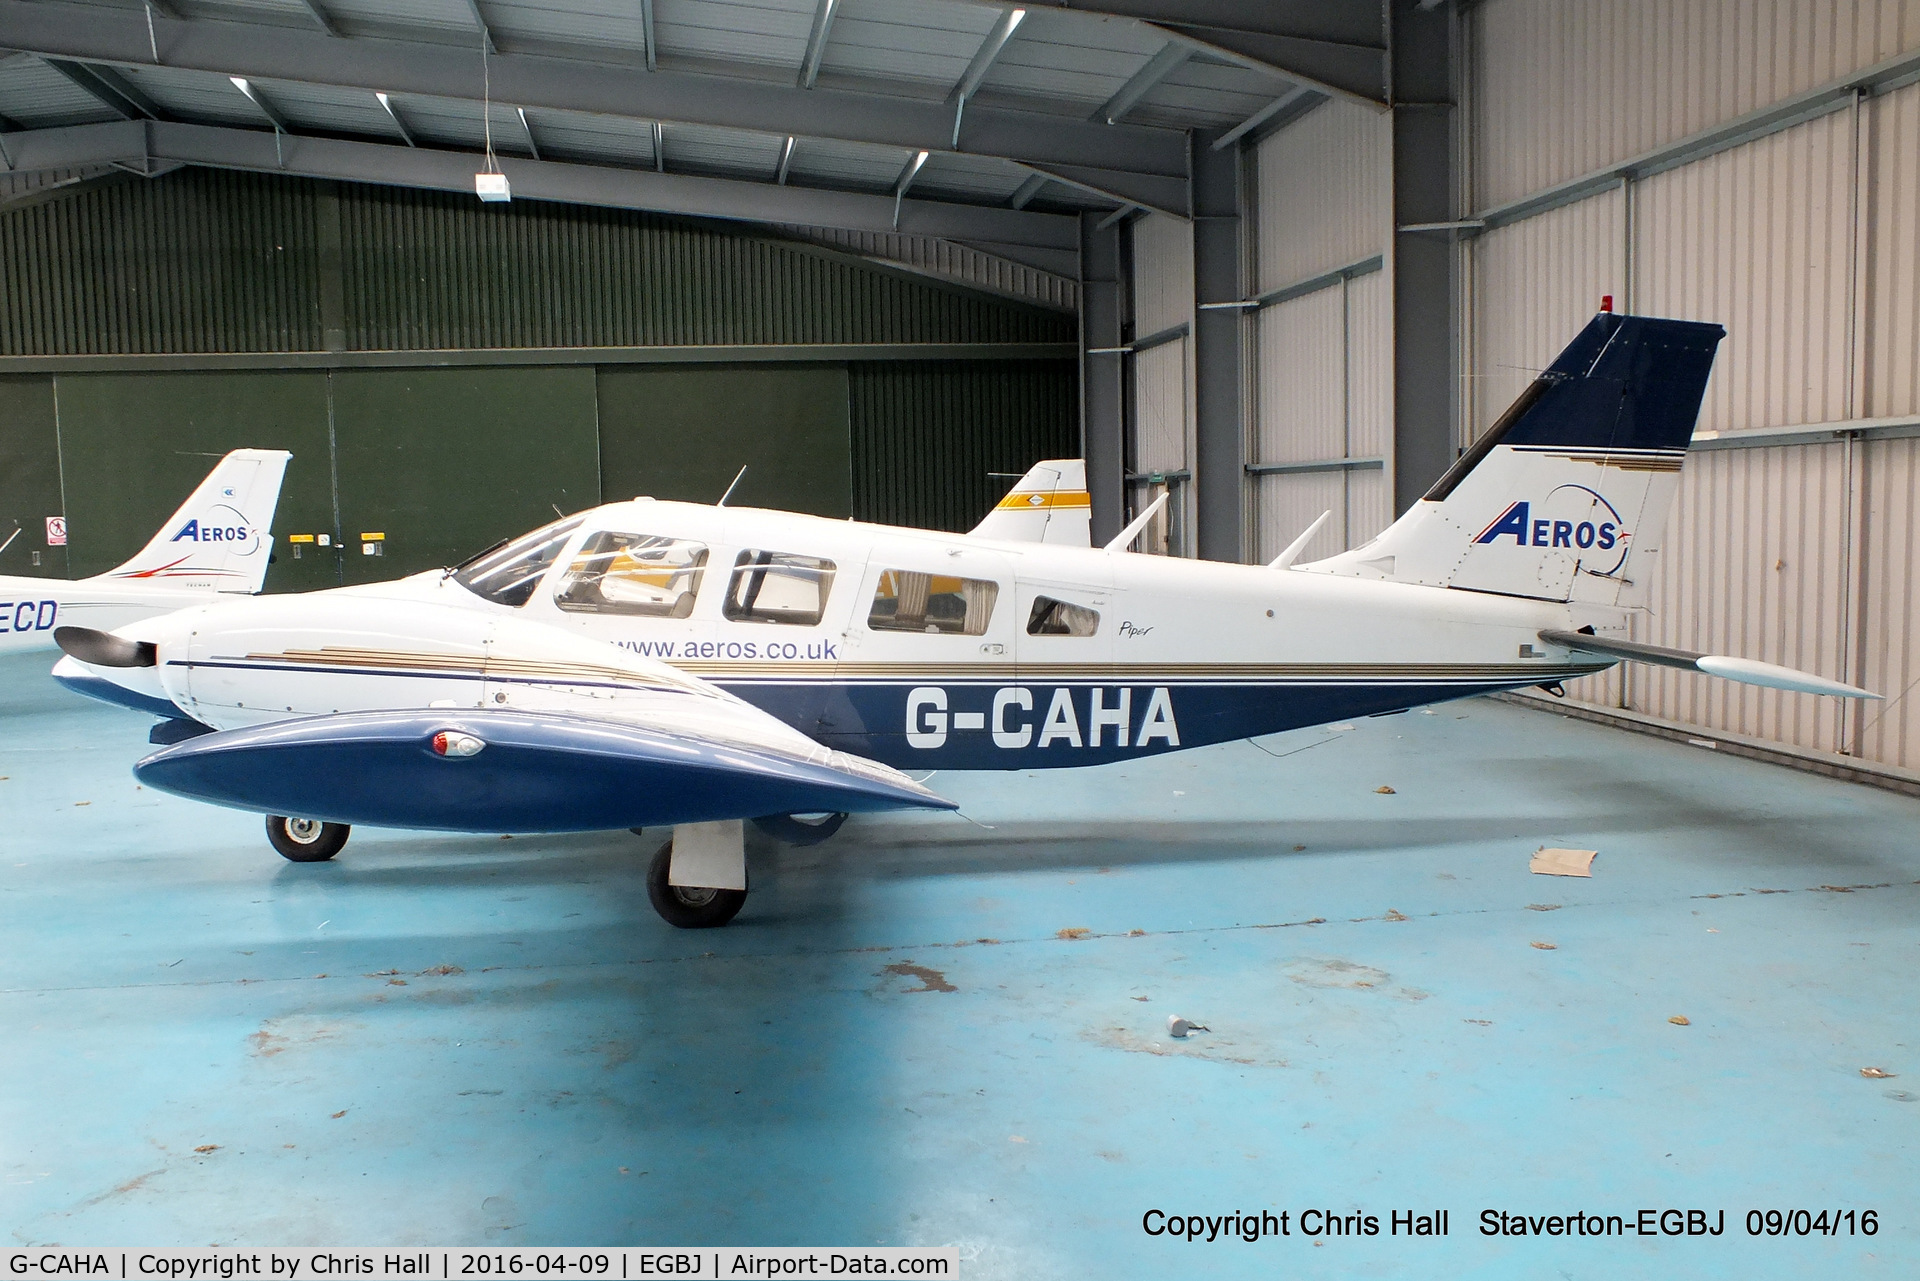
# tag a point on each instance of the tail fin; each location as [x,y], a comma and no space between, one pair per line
[1566,496]
[220,539]
[1048,505]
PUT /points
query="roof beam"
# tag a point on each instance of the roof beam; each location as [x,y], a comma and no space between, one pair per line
[1336,45]
[646,34]
[817,41]
[1149,191]
[258,99]
[983,57]
[526,127]
[1024,194]
[1291,105]
[94,34]
[145,142]
[393,114]
[786,163]
[480,21]
[1172,56]
[107,87]
[321,16]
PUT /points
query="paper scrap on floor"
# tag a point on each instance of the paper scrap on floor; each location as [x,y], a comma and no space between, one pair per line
[1548,862]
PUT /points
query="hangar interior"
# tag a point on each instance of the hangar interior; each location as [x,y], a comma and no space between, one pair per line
[1266,259]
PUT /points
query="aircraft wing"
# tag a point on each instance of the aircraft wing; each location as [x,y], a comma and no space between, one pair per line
[515,771]
[1745,670]
[403,714]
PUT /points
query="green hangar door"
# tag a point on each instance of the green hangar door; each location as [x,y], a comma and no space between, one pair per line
[437,464]
[684,432]
[134,445]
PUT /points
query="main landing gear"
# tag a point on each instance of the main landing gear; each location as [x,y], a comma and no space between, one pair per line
[698,879]
[306,840]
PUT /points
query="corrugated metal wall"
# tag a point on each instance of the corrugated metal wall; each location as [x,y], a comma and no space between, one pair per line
[1323,192]
[1566,87]
[199,261]
[191,262]
[1801,242]
[927,435]
[1322,373]
[1160,425]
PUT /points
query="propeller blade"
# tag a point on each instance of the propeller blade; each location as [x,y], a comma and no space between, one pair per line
[104,649]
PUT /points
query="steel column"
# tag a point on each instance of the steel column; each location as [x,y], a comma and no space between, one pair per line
[1102,421]
[1424,316]
[1219,436]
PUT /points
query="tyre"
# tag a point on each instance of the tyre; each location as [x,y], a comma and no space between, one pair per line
[306,840]
[800,829]
[685,906]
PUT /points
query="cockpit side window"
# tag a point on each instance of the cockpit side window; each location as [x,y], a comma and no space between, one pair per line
[508,576]
[1050,617]
[645,574]
[910,601]
[778,587]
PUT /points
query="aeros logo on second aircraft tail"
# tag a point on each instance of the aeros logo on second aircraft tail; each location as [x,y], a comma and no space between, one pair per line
[1573,517]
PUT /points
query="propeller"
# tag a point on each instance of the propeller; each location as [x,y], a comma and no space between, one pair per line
[104,649]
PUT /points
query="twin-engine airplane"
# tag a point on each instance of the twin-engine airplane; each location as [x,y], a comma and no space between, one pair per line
[217,542]
[660,663]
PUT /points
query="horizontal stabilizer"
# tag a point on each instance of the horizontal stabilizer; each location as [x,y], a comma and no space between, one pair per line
[491,770]
[1745,670]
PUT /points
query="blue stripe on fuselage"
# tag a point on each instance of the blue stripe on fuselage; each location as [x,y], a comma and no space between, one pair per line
[1047,725]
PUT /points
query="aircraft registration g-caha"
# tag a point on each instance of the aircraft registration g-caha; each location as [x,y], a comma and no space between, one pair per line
[217,543]
[669,664]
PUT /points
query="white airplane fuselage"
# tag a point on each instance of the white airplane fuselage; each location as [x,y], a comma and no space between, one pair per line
[1171,653]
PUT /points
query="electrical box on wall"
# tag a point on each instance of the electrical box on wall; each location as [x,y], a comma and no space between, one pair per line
[373,544]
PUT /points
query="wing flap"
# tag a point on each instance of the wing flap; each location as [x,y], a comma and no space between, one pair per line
[484,770]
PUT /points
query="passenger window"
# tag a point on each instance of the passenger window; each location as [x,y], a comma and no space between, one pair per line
[509,575]
[1052,617]
[909,601]
[615,573]
[778,587]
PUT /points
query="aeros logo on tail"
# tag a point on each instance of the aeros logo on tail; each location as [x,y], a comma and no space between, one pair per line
[221,524]
[1582,520]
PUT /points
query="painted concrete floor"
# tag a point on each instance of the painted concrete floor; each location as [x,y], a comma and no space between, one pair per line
[459,1040]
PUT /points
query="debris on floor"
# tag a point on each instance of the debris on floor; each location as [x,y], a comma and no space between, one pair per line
[1384,790]
[1546,947]
[1552,862]
[1178,1028]
[1877,1074]
[1680,1020]
[1074,932]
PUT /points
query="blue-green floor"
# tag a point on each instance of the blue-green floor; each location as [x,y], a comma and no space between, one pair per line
[905,1039]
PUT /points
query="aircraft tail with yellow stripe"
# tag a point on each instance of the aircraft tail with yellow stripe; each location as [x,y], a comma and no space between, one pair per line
[1047,505]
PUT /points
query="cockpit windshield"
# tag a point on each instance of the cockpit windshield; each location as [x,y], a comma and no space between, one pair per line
[508,576]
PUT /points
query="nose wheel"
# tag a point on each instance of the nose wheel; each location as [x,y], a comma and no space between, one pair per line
[305,840]
[688,907]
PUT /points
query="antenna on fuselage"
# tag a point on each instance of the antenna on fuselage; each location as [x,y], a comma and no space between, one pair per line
[1286,558]
[10,537]
[730,488]
[1124,539]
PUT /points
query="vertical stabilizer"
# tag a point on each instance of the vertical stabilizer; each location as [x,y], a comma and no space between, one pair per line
[1048,505]
[221,537]
[1566,497]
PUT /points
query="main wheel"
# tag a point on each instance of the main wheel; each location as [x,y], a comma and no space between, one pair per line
[306,840]
[686,906]
[800,829]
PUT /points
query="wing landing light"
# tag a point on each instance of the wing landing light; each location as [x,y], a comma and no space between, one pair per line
[1745,670]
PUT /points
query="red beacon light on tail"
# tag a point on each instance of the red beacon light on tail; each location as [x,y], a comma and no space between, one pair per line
[453,743]
[1606,303]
